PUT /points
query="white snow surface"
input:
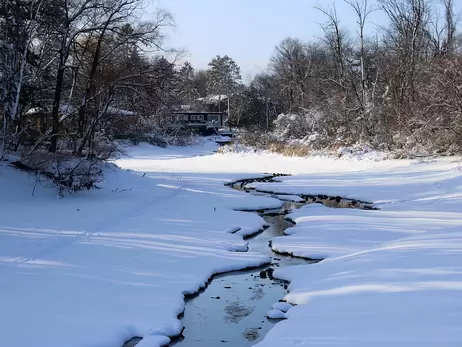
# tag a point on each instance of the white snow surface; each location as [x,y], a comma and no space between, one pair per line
[100,267]
[282,306]
[276,314]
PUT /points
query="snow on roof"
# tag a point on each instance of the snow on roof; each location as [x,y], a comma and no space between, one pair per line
[213,99]
[63,108]
[120,112]
[34,110]
[67,109]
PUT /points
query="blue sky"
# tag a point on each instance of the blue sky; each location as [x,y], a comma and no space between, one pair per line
[249,30]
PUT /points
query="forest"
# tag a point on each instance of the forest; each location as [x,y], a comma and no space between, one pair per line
[75,75]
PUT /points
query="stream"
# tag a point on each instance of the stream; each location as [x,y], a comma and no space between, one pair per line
[232,309]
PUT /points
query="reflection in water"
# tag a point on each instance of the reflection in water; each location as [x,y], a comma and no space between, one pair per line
[232,309]
[252,334]
[236,311]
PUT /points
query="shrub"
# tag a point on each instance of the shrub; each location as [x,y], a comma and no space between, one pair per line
[65,172]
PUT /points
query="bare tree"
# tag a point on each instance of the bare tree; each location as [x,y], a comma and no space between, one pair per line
[73,13]
[335,38]
[396,89]
[450,27]
[133,37]
[19,27]
[289,64]
[362,10]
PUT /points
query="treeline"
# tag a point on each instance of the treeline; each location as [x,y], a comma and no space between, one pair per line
[73,73]
[70,70]
[398,88]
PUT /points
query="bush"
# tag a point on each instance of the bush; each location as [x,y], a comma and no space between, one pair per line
[157,140]
[64,172]
[296,126]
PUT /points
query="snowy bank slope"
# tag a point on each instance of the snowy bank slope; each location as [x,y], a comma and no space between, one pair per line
[98,268]
[402,293]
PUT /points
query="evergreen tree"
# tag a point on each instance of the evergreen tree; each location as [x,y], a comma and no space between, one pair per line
[188,91]
[223,77]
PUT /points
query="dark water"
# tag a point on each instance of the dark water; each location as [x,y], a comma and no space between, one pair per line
[232,309]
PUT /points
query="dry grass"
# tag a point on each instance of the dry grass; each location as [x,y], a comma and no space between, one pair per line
[289,150]
[274,147]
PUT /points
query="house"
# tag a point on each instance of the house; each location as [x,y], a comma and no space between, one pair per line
[204,122]
[122,122]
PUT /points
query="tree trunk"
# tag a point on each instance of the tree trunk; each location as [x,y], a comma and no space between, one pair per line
[90,86]
[5,132]
[55,110]
[88,93]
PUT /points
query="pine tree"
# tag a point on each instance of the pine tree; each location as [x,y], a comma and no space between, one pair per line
[188,92]
[223,77]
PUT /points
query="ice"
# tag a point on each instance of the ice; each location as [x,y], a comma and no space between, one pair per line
[276,314]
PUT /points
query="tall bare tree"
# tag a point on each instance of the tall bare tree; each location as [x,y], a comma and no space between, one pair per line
[362,10]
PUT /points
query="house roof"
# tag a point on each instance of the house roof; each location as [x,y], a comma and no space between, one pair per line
[213,99]
[34,111]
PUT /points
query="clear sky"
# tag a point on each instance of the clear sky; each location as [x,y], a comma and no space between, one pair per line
[249,30]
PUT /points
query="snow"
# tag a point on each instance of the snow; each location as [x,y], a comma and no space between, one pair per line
[222,139]
[282,306]
[324,232]
[276,314]
[145,151]
[100,267]
[213,99]
[391,276]
[33,111]
[403,293]
[120,112]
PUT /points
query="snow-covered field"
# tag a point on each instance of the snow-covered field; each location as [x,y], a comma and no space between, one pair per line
[98,268]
